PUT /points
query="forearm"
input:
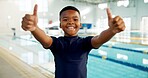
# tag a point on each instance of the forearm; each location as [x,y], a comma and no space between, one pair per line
[105,36]
[115,24]
[42,37]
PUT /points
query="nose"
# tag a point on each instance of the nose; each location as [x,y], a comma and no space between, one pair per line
[70,21]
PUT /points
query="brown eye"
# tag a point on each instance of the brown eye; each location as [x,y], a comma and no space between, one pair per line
[75,19]
[65,20]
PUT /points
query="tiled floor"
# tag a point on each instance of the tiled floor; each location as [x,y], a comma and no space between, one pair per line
[12,67]
[7,71]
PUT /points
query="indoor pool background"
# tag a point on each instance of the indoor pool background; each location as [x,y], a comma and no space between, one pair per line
[111,60]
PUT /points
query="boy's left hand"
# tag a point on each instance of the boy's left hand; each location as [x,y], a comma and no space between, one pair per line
[115,24]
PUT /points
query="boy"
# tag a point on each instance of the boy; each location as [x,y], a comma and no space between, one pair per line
[71,51]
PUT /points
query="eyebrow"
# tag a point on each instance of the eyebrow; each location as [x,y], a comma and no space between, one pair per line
[72,17]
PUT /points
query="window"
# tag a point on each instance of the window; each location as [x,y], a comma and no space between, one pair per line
[125,36]
[144,29]
[102,24]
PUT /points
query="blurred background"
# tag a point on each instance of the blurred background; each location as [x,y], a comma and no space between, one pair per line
[124,56]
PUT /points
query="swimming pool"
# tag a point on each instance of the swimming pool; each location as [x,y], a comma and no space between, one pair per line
[112,60]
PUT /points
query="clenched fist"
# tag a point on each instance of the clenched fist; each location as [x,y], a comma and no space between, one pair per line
[29,21]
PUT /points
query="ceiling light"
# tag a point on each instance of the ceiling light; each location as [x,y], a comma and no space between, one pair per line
[102,6]
[145,1]
[124,3]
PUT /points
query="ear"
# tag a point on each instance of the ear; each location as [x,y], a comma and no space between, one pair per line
[60,25]
[80,25]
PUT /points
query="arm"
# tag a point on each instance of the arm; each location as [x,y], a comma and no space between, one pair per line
[116,25]
[29,23]
[44,39]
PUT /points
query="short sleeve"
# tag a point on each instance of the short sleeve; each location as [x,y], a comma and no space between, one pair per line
[56,45]
[53,43]
[87,43]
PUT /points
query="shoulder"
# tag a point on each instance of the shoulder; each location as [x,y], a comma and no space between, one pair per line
[86,38]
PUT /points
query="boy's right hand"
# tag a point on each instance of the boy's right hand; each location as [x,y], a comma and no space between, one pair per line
[29,21]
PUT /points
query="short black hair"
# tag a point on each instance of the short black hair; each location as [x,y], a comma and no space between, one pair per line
[69,8]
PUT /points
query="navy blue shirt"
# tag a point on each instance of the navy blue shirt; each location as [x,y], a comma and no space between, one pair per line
[70,55]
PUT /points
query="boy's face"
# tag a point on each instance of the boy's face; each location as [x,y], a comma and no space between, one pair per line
[70,22]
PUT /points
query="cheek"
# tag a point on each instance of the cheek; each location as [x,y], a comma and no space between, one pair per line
[79,24]
[62,26]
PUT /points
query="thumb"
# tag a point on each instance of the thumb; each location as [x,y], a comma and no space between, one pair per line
[35,10]
[109,14]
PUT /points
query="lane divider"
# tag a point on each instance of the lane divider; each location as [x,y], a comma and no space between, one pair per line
[142,68]
[127,49]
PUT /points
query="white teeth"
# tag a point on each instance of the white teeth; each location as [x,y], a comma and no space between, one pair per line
[71,28]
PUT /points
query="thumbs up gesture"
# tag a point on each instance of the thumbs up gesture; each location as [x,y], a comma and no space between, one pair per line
[115,24]
[29,21]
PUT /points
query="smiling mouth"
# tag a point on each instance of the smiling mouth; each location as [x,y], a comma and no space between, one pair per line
[71,28]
